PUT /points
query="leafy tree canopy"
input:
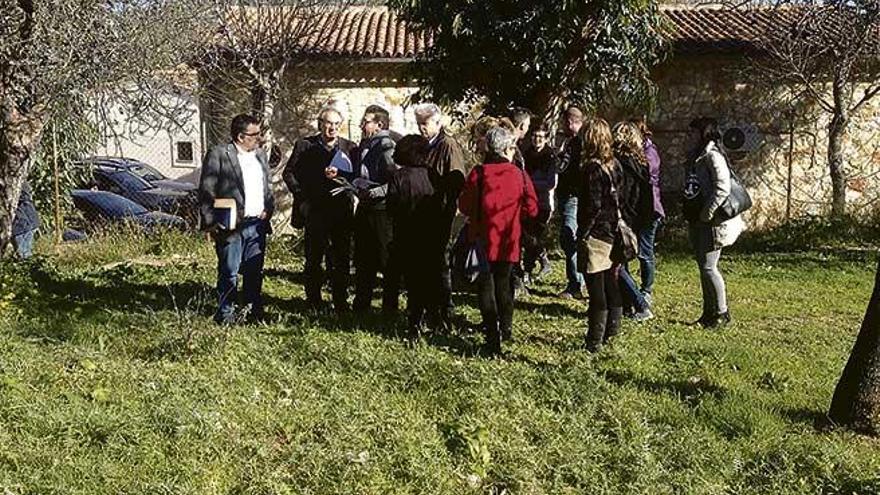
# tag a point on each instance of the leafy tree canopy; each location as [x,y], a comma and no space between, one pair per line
[538,54]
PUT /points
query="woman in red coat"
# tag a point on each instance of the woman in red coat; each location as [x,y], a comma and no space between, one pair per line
[495,198]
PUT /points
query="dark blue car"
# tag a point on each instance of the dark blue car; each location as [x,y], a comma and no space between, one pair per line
[140,169]
[129,185]
[102,207]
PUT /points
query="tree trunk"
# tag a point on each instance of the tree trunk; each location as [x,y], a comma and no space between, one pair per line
[856,401]
[836,165]
[836,160]
[19,137]
[263,102]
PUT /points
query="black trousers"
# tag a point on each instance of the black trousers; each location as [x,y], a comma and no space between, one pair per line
[373,235]
[534,233]
[604,289]
[443,284]
[328,233]
[496,296]
[419,275]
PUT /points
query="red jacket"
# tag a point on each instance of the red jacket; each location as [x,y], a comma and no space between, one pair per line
[508,193]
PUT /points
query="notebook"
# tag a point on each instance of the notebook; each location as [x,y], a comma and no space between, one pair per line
[342,162]
[225,213]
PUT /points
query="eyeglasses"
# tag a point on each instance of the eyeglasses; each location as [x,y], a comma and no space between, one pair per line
[330,123]
[253,134]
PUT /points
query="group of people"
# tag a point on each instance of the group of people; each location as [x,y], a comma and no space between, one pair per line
[395,199]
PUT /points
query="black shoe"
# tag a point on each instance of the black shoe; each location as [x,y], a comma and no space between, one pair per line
[612,324]
[718,321]
[257,318]
[493,338]
[596,321]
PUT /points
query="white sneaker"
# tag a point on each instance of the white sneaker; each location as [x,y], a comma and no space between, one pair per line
[644,315]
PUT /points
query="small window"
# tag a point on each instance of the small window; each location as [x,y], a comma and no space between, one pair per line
[185,151]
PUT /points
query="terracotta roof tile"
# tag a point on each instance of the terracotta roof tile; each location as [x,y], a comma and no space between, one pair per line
[377,32]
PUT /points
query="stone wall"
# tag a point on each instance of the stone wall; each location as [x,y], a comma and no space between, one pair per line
[786,171]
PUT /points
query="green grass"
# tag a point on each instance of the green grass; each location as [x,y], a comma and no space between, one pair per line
[113,380]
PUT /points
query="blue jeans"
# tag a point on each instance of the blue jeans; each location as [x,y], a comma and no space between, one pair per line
[24,243]
[647,269]
[242,251]
[568,206]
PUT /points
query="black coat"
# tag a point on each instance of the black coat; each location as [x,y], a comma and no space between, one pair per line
[569,168]
[377,157]
[541,166]
[597,205]
[636,193]
[304,171]
[414,205]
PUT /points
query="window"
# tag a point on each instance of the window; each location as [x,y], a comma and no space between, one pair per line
[184,151]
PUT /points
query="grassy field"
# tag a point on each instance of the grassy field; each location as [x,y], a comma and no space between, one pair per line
[113,380]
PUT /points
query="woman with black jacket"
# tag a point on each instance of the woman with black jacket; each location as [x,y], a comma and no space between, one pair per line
[414,207]
[597,229]
[636,206]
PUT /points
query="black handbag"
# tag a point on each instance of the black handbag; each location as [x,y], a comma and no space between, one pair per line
[736,202]
[626,242]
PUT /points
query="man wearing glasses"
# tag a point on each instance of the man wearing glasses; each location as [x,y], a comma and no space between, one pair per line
[319,174]
[238,171]
[373,230]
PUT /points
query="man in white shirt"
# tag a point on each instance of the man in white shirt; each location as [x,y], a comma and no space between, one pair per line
[238,170]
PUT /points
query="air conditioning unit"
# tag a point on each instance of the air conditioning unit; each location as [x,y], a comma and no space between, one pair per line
[741,137]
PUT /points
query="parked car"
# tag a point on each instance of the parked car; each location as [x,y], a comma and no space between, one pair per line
[129,185]
[141,169]
[102,207]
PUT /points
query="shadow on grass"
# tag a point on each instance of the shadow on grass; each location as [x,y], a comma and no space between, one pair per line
[811,417]
[391,327]
[295,277]
[554,309]
[65,301]
[691,391]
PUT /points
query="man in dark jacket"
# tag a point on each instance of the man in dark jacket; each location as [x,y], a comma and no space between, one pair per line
[373,229]
[319,174]
[25,223]
[238,170]
[541,167]
[570,178]
[447,160]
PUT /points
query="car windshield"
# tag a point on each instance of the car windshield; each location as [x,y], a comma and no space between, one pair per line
[145,171]
[130,182]
[112,205]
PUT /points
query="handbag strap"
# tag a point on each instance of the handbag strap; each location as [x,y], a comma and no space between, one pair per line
[614,195]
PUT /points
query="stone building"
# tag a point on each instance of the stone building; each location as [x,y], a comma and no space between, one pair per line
[779,152]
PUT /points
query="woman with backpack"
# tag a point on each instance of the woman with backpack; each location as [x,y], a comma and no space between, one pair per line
[636,208]
[496,196]
[711,227]
[598,215]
